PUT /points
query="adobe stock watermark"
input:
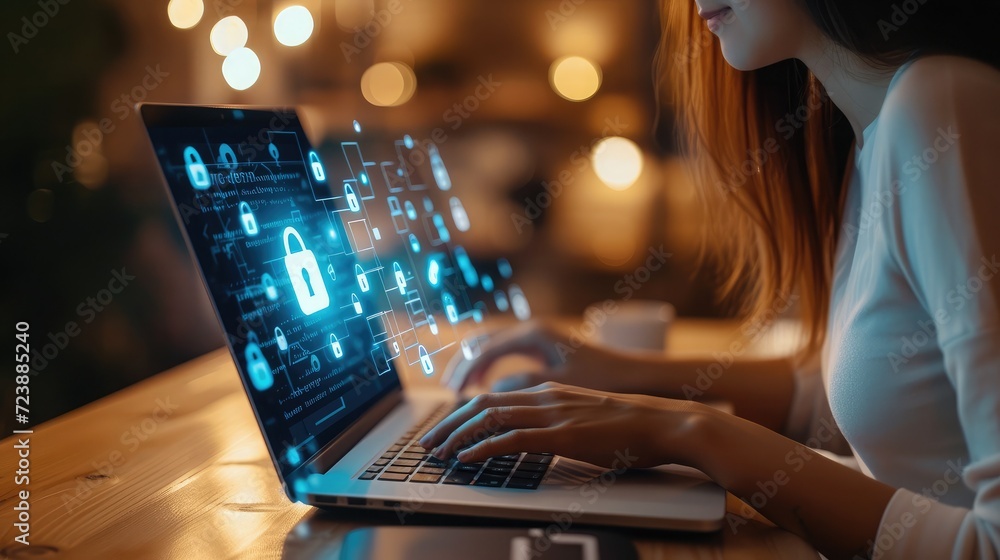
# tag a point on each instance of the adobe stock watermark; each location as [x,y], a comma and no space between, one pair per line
[580,161]
[93,136]
[899,16]
[87,311]
[958,298]
[33,24]
[597,315]
[751,330]
[365,36]
[131,439]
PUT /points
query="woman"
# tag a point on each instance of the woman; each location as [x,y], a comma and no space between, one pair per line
[852,143]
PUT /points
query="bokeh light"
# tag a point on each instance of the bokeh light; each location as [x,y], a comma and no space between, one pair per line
[241,68]
[388,84]
[617,162]
[293,26]
[229,34]
[575,78]
[185,14]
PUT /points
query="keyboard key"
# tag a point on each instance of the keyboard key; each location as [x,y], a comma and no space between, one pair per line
[527,475]
[468,468]
[436,461]
[388,454]
[511,457]
[490,480]
[395,477]
[380,462]
[395,448]
[532,467]
[406,462]
[368,475]
[398,469]
[431,470]
[374,469]
[424,477]
[523,483]
[537,458]
[416,449]
[459,478]
[417,456]
[497,470]
[501,463]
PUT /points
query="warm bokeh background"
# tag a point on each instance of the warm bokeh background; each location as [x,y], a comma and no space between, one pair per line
[77,206]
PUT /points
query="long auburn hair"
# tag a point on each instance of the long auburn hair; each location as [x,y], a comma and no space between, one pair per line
[769,150]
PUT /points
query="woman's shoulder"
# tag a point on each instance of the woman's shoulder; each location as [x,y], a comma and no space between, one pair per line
[940,90]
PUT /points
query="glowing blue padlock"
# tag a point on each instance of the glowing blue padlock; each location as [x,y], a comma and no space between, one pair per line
[465,265]
[437,166]
[362,279]
[459,215]
[317,168]
[314,363]
[434,272]
[425,360]
[487,281]
[249,220]
[450,311]
[227,158]
[432,324]
[279,337]
[304,273]
[442,229]
[196,171]
[400,278]
[411,211]
[273,150]
[270,288]
[352,198]
[414,243]
[357,303]
[258,370]
[331,271]
[338,350]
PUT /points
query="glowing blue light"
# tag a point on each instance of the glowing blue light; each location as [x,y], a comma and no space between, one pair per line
[502,303]
[487,281]
[414,243]
[411,212]
[442,230]
[408,142]
[434,272]
[333,234]
[438,168]
[293,456]
[428,204]
[425,360]
[364,178]
[503,265]
[465,265]
[357,126]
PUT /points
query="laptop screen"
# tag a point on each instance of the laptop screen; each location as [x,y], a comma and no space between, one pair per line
[324,270]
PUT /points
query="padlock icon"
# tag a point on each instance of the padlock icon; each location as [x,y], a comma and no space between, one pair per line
[400,278]
[227,157]
[459,215]
[411,211]
[434,272]
[249,220]
[196,171]
[258,370]
[450,311]
[338,350]
[332,272]
[270,288]
[396,213]
[314,363]
[432,324]
[425,360]
[362,279]
[357,304]
[303,270]
[317,168]
[414,243]
[352,198]
[438,168]
[442,229]
[273,150]
[280,339]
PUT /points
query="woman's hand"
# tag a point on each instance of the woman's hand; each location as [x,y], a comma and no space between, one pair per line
[584,424]
[563,358]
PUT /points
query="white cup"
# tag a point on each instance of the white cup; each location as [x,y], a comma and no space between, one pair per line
[636,325]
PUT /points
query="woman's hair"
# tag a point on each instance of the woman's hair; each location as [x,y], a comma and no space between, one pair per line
[769,149]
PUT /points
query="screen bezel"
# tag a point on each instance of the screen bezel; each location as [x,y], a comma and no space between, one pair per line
[343,434]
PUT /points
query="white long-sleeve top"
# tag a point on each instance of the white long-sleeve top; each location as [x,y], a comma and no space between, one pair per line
[912,363]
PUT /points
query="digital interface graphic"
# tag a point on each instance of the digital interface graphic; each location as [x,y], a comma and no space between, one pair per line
[328,270]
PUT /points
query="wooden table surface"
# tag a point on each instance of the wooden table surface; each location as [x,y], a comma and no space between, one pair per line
[175,467]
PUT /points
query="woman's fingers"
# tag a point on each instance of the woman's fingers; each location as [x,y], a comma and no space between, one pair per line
[492,421]
[530,440]
[436,435]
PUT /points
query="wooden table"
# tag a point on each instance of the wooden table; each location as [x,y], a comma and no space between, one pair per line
[175,467]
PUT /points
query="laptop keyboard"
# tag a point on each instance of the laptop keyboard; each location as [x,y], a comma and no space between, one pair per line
[407,461]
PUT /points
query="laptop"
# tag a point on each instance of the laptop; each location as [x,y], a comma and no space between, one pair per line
[331,270]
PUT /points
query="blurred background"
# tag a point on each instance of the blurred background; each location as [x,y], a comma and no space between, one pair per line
[544,111]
